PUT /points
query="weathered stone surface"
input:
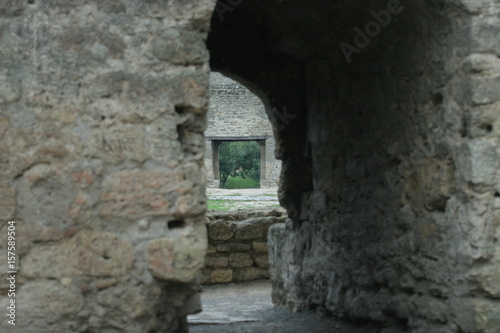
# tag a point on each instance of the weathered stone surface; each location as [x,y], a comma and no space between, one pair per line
[477,315]
[241,254]
[99,129]
[240,260]
[219,230]
[181,48]
[129,302]
[221,276]
[48,299]
[178,259]
[87,253]
[478,162]
[7,201]
[92,143]
[130,193]
[260,247]
[105,283]
[436,179]
[211,249]
[262,260]
[219,262]
[233,247]
[252,273]
[253,228]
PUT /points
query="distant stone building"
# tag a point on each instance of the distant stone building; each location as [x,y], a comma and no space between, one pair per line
[236,114]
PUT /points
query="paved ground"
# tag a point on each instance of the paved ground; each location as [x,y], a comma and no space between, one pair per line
[245,198]
[247,308]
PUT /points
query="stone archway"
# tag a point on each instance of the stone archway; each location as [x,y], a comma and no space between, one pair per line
[237,114]
[384,165]
[386,121]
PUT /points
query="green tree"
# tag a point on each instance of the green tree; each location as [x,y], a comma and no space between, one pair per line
[240,158]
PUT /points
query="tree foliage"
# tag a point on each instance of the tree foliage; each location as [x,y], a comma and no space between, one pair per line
[240,158]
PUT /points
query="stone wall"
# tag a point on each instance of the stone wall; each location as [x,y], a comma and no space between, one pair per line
[390,166]
[102,113]
[235,113]
[237,245]
[386,120]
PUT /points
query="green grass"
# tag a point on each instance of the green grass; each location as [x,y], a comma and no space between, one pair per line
[238,182]
[232,205]
[220,204]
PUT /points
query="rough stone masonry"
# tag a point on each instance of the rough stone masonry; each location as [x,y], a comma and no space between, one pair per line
[390,172]
[102,113]
[237,245]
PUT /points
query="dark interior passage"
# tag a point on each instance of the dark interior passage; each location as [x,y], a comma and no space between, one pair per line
[364,98]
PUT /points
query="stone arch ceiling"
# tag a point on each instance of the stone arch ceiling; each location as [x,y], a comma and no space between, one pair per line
[377,173]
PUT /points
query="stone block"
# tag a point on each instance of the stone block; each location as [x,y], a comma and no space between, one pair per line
[219,262]
[250,274]
[233,247]
[101,284]
[220,230]
[489,279]
[476,315]
[7,200]
[87,253]
[46,299]
[484,90]
[436,178]
[483,27]
[240,260]
[221,276]
[127,301]
[128,194]
[260,247]
[178,259]
[484,121]
[179,47]
[29,234]
[262,261]
[478,162]
[10,89]
[253,228]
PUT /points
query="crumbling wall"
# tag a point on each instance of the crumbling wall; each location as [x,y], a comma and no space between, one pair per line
[102,113]
[237,245]
[390,163]
[387,129]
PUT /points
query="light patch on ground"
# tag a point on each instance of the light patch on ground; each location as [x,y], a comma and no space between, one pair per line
[224,199]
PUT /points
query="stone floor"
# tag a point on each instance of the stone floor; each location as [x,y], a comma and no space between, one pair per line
[247,308]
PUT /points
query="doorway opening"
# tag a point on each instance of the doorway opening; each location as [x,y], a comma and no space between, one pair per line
[239,163]
[239,138]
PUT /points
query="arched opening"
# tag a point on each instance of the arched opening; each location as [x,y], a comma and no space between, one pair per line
[358,78]
[236,114]
[385,114]
[240,147]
